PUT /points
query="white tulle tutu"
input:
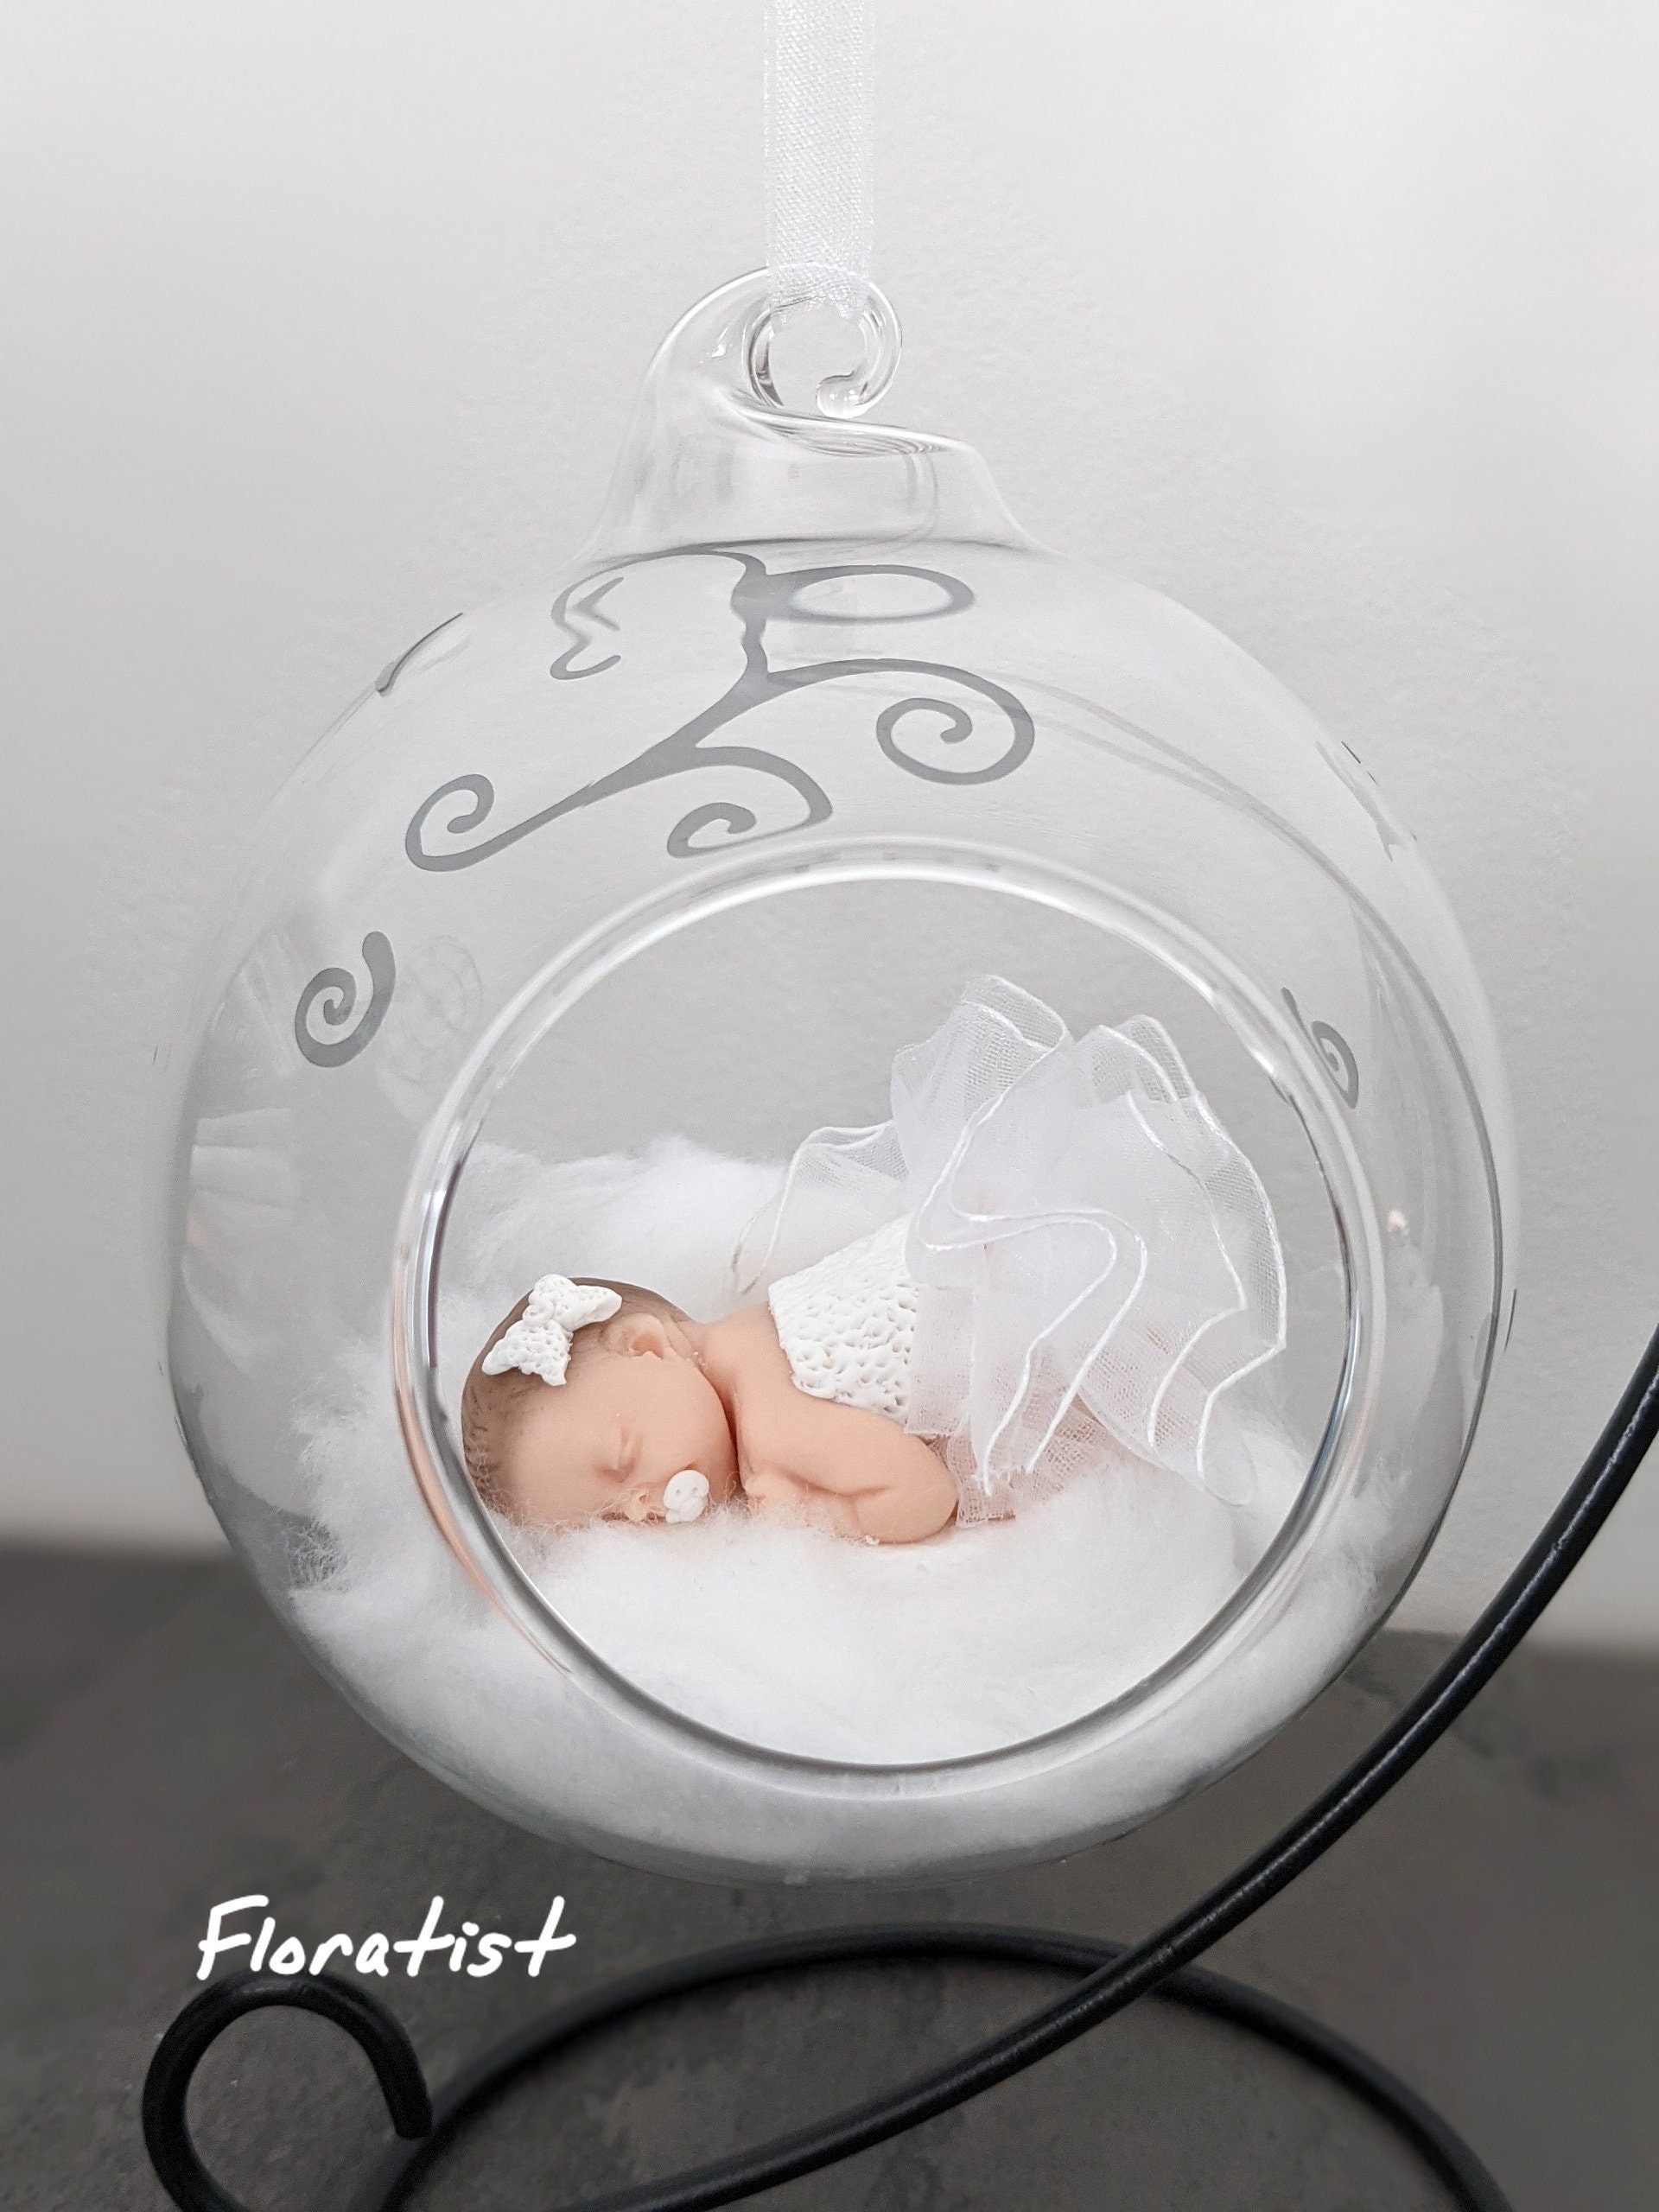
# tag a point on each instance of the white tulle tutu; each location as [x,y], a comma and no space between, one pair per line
[1094,1259]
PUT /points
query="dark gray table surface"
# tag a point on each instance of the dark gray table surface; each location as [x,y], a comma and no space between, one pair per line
[1492,1933]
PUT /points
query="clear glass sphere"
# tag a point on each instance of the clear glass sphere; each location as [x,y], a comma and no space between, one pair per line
[604,894]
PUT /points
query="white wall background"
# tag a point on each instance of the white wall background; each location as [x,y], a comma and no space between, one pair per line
[1339,322]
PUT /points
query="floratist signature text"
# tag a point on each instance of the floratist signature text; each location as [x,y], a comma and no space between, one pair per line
[469,1949]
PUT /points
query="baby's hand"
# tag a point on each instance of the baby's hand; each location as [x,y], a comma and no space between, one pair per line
[827,1466]
[771,1491]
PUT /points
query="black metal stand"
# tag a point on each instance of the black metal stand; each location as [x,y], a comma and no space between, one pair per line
[1109,1976]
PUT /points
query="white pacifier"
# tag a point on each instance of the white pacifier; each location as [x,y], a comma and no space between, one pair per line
[684,1495]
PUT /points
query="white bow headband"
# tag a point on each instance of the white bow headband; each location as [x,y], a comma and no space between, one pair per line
[538,1342]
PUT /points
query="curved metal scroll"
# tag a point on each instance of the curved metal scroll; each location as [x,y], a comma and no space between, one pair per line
[187,2042]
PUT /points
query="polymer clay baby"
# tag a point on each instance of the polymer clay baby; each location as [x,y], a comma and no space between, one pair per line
[1052,1253]
[658,1415]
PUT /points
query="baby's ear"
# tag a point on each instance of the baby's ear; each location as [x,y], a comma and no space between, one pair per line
[637,1336]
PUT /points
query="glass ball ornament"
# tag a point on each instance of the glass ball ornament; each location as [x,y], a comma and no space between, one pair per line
[595,903]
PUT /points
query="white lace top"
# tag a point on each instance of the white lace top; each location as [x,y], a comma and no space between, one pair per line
[847,1324]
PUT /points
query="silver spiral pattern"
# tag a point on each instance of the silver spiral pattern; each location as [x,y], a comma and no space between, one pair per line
[1336,1054]
[332,996]
[759,597]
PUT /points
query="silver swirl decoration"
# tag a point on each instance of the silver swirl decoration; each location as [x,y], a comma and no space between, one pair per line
[579,612]
[958,727]
[331,996]
[481,792]
[735,821]
[758,598]
[1336,1054]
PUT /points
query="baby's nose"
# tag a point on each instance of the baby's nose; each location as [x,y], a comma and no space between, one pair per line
[684,1495]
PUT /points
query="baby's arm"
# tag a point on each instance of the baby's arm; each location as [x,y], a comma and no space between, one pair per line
[835,1466]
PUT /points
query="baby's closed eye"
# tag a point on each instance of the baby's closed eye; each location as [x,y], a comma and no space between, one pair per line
[625,1457]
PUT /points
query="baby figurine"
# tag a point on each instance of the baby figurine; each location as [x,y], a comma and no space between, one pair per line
[1051,1252]
[652,1416]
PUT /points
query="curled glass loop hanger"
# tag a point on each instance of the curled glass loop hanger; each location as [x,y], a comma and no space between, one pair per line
[846,396]
[714,455]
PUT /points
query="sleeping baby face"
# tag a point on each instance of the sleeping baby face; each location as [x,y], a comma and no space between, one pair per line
[634,1413]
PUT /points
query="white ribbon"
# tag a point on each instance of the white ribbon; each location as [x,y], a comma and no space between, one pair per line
[820,152]
[538,1342]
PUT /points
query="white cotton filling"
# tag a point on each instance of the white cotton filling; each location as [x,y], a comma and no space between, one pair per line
[784,1637]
